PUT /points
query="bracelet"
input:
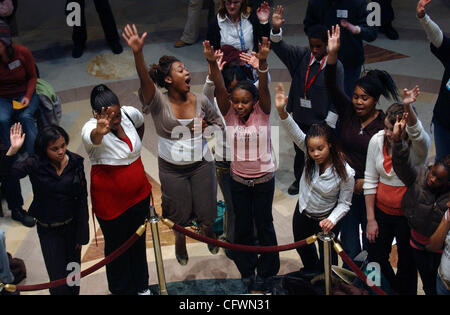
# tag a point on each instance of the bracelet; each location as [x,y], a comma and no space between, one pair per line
[263,71]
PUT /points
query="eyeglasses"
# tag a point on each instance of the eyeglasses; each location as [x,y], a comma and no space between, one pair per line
[230,2]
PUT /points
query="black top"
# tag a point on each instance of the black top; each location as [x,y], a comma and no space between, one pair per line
[353,140]
[325,12]
[259,31]
[296,59]
[56,198]
[441,110]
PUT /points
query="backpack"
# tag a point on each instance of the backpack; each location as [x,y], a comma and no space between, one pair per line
[50,110]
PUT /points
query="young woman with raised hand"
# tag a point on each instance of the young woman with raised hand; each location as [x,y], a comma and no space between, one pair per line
[188,180]
[246,110]
[59,199]
[326,185]
[359,120]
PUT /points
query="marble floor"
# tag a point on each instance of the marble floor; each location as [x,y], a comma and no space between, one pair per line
[42,28]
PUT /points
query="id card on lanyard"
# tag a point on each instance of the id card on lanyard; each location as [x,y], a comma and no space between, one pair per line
[241,36]
[304,101]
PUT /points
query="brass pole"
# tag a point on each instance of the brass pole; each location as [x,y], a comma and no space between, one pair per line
[154,219]
[327,239]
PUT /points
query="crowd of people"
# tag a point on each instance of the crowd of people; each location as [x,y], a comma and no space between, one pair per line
[356,166]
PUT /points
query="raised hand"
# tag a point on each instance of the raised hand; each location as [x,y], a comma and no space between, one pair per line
[399,127]
[334,41]
[410,96]
[104,121]
[131,36]
[209,52]
[251,60]
[420,10]
[16,138]
[263,12]
[280,98]
[263,49]
[220,62]
[277,18]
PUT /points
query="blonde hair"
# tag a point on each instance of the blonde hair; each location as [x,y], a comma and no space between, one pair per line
[245,8]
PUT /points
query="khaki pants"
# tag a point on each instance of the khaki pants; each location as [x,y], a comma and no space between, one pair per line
[192,26]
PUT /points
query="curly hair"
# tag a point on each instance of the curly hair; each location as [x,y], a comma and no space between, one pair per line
[159,72]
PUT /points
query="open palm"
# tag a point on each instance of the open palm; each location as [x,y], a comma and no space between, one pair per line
[263,49]
[410,96]
[131,36]
[277,17]
[334,41]
[263,12]
[16,137]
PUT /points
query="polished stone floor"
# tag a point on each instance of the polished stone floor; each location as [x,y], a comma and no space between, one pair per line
[42,28]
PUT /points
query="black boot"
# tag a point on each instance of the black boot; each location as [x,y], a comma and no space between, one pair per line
[18,214]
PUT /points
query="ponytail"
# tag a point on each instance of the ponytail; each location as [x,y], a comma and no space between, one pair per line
[377,83]
[159,72]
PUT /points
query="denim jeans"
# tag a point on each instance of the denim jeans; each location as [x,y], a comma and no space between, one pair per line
[441,139]
[351,75]
[8,116]
[224,180]
[350,227]
[5,273]
[440,288]
[254,204]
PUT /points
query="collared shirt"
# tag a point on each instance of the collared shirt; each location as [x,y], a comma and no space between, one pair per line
[112,150]
[321,195]
[236,34]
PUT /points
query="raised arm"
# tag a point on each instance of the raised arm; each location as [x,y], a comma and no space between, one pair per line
[103,125]
[222,95]
[136,43]
[263,75]
[438,238]
[360,29]
[434,33]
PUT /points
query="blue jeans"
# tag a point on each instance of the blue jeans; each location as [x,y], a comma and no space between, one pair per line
[350,227]
[441,139]
[440,288]
[224,180]
[351,75]
[25,116]
[5,273]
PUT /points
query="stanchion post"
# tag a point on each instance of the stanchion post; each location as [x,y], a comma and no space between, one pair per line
[327,238]
[154,219]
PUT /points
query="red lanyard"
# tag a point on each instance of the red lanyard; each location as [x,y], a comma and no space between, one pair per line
[308,85]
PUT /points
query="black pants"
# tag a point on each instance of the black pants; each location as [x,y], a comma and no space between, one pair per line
[389,227]
[253,207]
[12,192]
[387,12]
[303,227]
[128,274]
[58,248]
[427,263]
[299,159]
[79,34]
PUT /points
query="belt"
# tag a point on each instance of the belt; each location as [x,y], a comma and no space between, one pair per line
[252,182]
[317,218]
[53,225]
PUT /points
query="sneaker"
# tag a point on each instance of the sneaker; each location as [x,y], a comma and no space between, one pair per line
[390,32]
[145,292]
[77,51]
[21,215]
[293,189]
[116,47]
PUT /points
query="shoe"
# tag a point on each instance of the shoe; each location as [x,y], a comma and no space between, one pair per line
[116,47]
[390,32]
[213,249]
[145,292]
[182,259]
[308,273]
[77,51]
[293,189]
[179,43]
[21,215]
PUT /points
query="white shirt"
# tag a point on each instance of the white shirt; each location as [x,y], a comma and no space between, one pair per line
[230,32]
[112,150]
[321,195]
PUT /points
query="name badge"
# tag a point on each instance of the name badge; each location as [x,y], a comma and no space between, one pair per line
[342,14]
[15,64]
[305,103]
[448,85]
[331,119]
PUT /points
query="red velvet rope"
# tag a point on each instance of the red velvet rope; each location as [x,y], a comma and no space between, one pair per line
[100,264]
[239,247]
[359,273]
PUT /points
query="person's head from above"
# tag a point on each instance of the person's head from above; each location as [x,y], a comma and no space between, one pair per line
[5,41]
[103,98]
[322,149]
[243,97]
[318,40]
[172,74]
[439,175]
[368,90]
[233,8]
[393,112]
[51,143]
[232,74]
